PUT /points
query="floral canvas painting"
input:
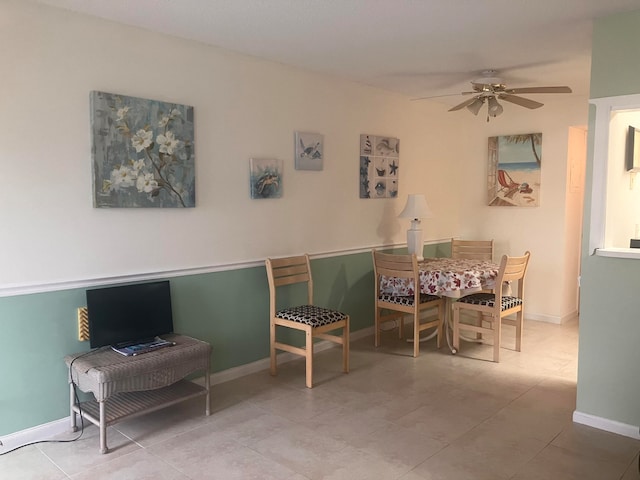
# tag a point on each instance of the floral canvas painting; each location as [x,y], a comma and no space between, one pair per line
[379,164]
[142,152]
[265,178]
[514,170]
[309,148]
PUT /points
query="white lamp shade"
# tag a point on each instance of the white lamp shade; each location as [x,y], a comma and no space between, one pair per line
[416,207]
[476,105]
[495,108]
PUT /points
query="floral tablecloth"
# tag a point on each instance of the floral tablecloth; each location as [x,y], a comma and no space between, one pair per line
[449,277]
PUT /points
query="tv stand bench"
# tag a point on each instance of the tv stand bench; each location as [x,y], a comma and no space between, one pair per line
[125,387]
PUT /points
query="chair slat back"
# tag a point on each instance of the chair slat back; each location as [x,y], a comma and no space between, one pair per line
[472,249]
[287,271]
[514,268]
[390,265]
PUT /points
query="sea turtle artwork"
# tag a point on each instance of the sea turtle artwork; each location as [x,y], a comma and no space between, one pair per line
[265,178]
[309,151]
[268,181]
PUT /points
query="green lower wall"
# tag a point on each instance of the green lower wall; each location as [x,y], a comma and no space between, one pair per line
[609,357]
[228,309]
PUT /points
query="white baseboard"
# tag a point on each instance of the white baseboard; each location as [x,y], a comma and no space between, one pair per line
[49,430]
[631,431]
[539,317]
[38,433]
[263,364]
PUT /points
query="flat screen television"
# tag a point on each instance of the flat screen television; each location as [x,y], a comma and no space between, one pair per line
[129,314]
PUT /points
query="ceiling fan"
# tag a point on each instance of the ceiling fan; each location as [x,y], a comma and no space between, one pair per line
[489,89]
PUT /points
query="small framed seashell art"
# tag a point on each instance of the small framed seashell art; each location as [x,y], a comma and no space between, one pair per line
[379,164]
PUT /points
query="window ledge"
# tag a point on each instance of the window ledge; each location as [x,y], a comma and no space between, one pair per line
[619,252]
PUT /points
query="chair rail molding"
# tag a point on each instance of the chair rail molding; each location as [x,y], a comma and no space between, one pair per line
[11,290]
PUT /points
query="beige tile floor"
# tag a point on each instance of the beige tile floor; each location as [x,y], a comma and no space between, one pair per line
[393,417]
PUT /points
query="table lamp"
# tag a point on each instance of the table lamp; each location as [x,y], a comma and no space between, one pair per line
[415,209]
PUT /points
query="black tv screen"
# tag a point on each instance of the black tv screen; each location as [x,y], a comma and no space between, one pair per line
[633,149]
[129,314]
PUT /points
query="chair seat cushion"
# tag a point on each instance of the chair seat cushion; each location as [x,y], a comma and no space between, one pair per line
[311,315]
[489,300]
[406,299]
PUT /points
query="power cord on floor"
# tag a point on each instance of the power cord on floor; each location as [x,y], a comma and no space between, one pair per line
[385,328]
[77,400]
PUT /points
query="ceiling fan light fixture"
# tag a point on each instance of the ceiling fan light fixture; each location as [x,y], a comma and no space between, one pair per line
[476,105]
[495,108]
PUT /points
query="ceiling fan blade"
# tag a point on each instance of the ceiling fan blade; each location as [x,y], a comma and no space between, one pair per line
[463,104]
[563,89]
[436,96]
[523,102]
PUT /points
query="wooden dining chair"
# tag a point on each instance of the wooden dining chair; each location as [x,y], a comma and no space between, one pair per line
[472,249]
[495,307]
[404,267]
[314,321]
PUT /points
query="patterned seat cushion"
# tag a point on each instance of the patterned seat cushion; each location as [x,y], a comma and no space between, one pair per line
[406,299]
[311,315]
[489,299]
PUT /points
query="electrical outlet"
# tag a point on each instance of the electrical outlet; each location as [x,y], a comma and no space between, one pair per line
[83,324]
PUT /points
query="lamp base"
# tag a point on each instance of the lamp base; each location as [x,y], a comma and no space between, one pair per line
[414,242]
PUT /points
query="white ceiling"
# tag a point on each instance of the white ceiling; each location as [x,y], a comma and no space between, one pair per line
[414,47]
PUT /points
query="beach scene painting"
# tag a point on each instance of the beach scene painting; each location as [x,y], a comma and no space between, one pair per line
[514,170]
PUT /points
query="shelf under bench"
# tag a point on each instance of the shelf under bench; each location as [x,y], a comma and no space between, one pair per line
[132,404]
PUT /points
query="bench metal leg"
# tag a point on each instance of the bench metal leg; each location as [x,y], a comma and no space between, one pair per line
[207,384]
[72,402]
[103,428]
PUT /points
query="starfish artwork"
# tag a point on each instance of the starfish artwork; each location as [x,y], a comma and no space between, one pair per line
[379,164]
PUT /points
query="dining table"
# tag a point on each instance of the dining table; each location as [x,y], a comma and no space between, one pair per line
[451,278]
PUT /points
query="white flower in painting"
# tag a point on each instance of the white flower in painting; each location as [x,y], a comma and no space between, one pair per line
[146,183]
[168,143]
[164,121]
[122,112]
[107,186]
[137,165]
[141,140]
[122,176]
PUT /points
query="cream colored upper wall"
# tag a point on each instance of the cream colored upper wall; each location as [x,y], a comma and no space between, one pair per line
[244,108]
[540,230]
